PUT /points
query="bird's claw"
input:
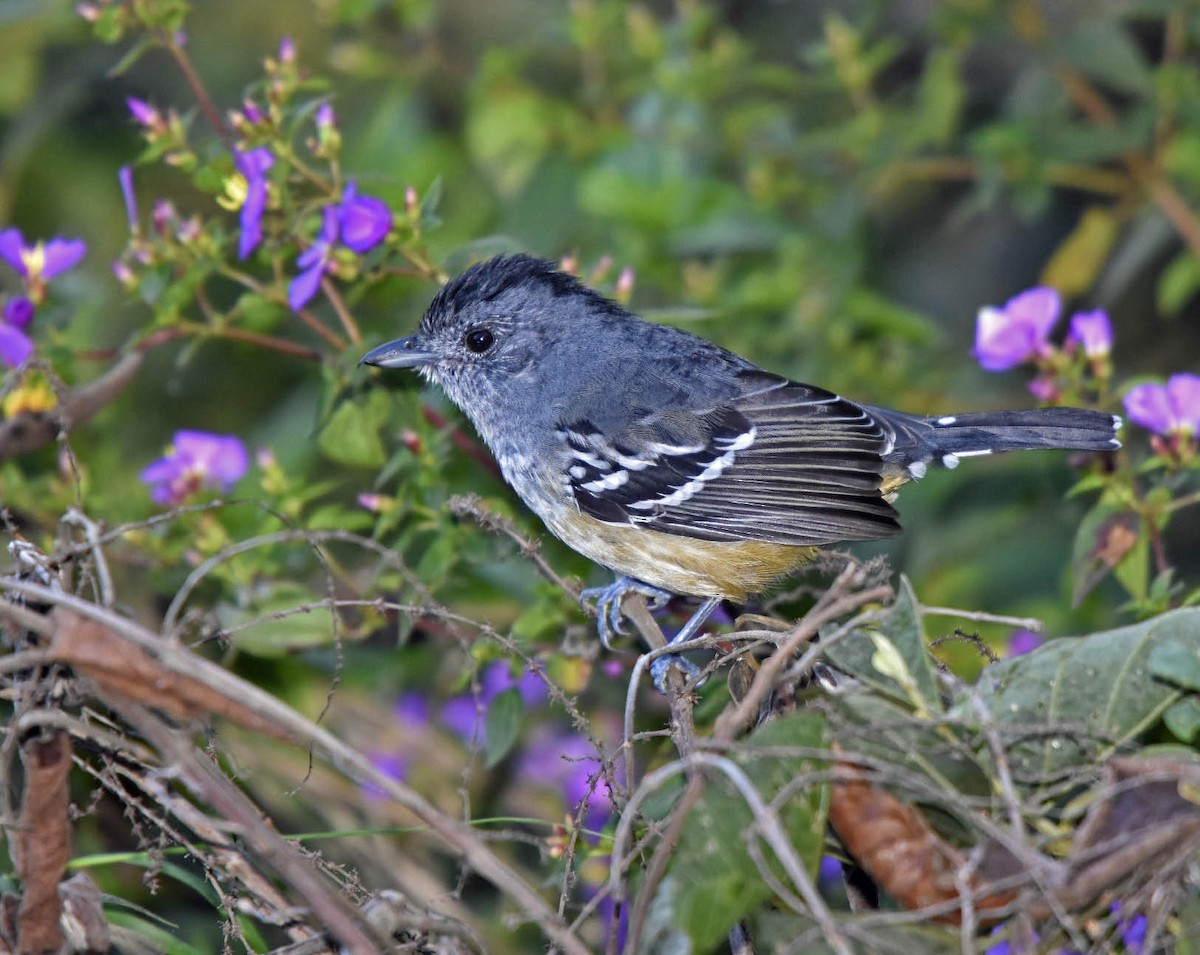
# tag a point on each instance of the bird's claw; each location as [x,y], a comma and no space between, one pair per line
[661,666]
[608,604]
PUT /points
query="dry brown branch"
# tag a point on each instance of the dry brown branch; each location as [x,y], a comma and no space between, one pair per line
[288,724]
[43,840]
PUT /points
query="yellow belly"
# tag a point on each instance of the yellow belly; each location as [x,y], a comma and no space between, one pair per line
[732,570]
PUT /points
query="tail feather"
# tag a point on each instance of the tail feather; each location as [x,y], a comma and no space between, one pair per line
[945,439]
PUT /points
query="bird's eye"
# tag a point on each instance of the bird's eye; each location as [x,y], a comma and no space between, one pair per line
[479,340]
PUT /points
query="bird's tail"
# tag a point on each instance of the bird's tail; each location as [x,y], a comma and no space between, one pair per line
[946,439]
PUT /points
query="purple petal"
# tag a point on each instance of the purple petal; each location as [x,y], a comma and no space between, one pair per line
[19,311]
[15,347]
[999,343]
[165,469]
[461,715]
[304,286]
[142,111]
[220,459]
[366,221]
[251,216]
[329,226]
[12,244]
[62,254]
[254,163]
[125,178]
[1022,642]
[287,50]
[1150,406]
[1006,337]
[1184,393]
[1037,310]
[412,709]
[326,118]
[1093,331]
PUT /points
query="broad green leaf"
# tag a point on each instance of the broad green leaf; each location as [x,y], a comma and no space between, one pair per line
[503,725]
[351,434]
[716,880]
[282,620]
[1178,661]
[1082,697]
[1183,718]
[858,654]
[870,724]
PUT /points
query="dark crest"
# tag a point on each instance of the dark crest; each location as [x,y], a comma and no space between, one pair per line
[488,280]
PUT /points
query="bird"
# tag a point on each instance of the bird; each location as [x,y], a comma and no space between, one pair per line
[685,469]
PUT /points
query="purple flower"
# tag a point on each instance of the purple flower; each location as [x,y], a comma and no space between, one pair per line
[1006,337]
[1093,331]
[15,346]
[125,178]
[392,765]
[463,714]
[568,762]
[313,261]
[143,112]
[43,260]
[195,459]
[365,220]
[1022,642]
[287,50]
[253,165]
[18,312]
[412,709]
[326,118]
[1173,408]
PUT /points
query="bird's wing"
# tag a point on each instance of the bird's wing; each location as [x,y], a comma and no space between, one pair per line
[780,462]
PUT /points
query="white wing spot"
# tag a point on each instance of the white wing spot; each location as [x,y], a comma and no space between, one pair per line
[610,482]
[974,454]
[917,469]
[950,460]
[577,471]
[947,420]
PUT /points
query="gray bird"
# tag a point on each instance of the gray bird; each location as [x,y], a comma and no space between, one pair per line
[680,466]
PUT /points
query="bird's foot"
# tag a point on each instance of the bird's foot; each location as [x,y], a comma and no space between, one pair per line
[608,604]
[661,666]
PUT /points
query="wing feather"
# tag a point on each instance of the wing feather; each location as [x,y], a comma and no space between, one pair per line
[780,462]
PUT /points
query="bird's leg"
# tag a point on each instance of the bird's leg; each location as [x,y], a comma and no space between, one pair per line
[660,665]
[608,604]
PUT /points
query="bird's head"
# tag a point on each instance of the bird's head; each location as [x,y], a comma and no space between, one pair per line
[501,336]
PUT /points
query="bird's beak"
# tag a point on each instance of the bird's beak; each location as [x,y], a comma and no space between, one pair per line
[402,353]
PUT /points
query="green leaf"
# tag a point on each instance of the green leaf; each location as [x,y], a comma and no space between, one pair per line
[268,635]
[1101,48]
[1085,696]
[906,674]
[503,725]
[715,879]
[1179,283]
[1109,539]
[351,434]
[1178,662]
[1183,719]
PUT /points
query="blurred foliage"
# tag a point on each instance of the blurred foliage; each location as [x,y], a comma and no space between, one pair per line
[833,190]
